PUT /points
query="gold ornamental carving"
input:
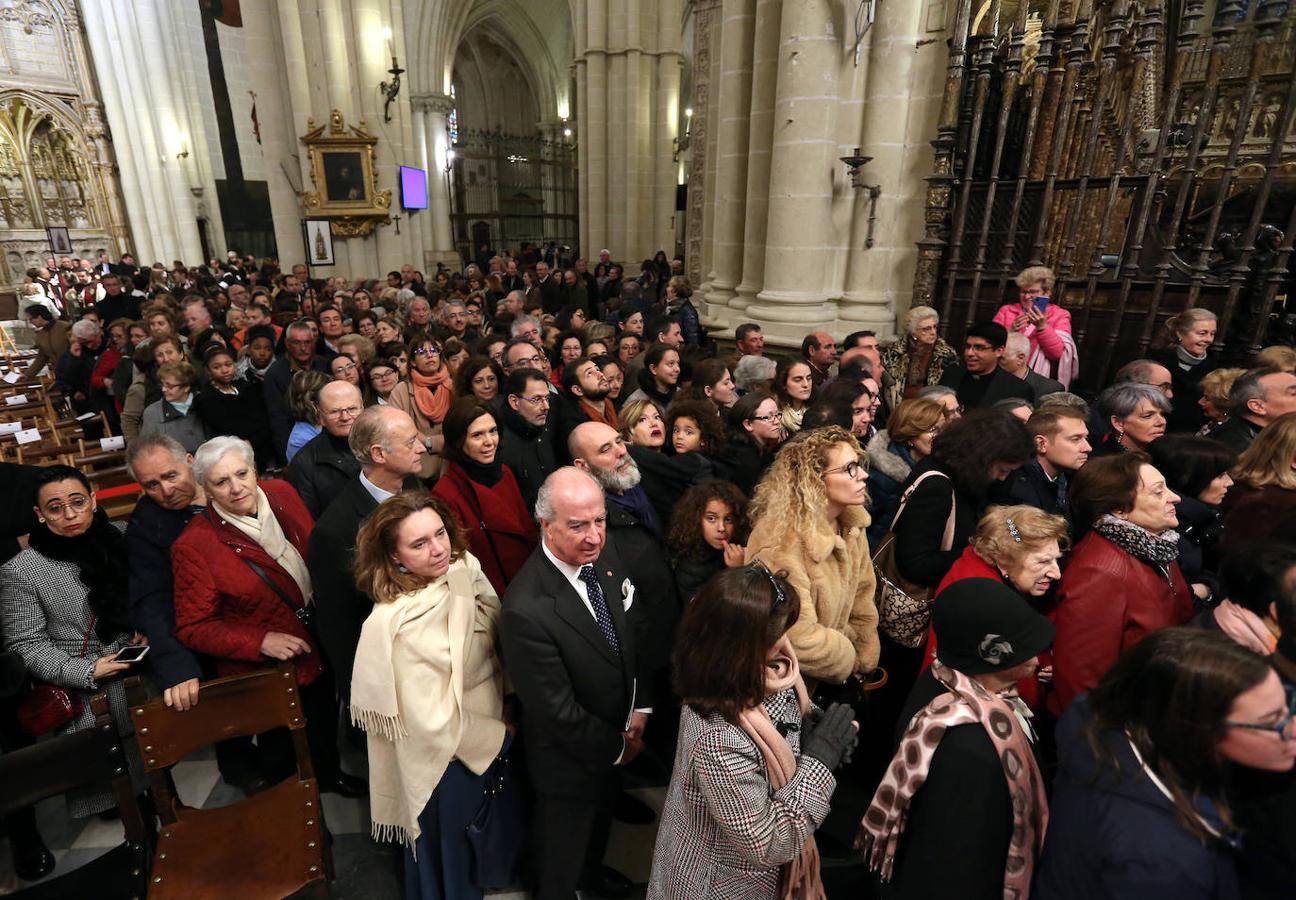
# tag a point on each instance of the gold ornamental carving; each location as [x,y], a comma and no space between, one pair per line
[342,172]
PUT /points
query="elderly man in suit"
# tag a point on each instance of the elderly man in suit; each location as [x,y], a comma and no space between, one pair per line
[386,442]
[1013,361]
[569,634]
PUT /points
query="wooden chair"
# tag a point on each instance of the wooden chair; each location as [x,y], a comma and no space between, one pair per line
[271,845]
[90,757]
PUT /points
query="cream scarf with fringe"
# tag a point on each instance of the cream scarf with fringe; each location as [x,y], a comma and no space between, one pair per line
[427,688]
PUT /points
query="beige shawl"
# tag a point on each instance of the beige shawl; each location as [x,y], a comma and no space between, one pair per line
[428,688]
[264,528]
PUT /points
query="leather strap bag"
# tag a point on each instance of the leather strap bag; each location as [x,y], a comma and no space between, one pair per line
[904,608]
[47,707]
[497,833]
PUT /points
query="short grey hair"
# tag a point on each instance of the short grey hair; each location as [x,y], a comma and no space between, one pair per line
[214,450]
[84,328]
[544,507]
[935,392]
[750,370]
[1017,343]
[917,315]
[1120,400]
[150,441]
[371,428]
[520,322]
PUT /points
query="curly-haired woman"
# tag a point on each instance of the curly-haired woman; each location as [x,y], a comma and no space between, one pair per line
[808,519]
[706,533]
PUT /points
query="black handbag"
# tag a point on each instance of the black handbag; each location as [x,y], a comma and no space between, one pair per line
[498,831]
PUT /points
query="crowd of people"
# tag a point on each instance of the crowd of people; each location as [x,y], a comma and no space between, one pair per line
[894,602]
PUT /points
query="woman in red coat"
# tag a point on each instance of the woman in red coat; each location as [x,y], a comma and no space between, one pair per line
[483,494]
[243,595]
[1123,581]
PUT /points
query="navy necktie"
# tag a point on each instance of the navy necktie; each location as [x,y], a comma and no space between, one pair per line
[601,614]
[1062,494]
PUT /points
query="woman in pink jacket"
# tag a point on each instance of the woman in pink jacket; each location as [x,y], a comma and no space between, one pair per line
[1045,323]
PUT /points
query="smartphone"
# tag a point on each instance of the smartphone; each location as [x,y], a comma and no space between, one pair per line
[1041,303]
[132,654]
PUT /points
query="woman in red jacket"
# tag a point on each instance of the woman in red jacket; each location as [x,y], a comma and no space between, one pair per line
[483,494]
[1123,581]
[243,595]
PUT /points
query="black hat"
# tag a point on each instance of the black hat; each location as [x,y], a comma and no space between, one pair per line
[982,625]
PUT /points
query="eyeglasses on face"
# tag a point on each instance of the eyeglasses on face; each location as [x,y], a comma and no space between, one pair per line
[1280,728]
[348,367]
[346,412]
[852,468]
[76,505]
[768,417]
[428,351]
[534,401]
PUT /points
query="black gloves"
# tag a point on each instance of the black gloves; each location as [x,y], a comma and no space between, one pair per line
[831,737]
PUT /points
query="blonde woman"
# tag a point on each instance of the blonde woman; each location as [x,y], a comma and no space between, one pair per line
[1042,319]
[1262,501]
[427,688]
[1216,387]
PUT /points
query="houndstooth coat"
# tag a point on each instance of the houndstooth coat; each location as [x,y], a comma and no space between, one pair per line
[724,835]
[46,622]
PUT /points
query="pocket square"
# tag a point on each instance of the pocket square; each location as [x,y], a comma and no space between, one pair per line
[627,594]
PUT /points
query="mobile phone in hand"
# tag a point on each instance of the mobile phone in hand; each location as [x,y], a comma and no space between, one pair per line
[1041,303]
[132,654]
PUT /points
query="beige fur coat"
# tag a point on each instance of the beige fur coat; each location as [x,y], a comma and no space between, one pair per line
[836,633]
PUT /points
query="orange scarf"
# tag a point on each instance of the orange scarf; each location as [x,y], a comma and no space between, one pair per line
[604,412]
[432,393]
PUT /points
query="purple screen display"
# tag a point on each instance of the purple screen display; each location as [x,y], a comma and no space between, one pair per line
[414,190]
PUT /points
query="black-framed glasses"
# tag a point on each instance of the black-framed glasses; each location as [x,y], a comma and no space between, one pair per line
[1280,728]
[852,468]
[768,417]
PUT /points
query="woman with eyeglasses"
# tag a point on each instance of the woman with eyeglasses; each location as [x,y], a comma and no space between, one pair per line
[65,606]
[383,376]
[755,434]
[174,415]
[426,398]
[1140,806]
[235,406]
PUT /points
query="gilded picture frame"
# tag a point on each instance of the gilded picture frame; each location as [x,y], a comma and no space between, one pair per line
[345,188]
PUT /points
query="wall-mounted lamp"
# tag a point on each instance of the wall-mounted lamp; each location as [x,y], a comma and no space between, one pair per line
[390,89]
[681,143]
[184,151]
[854,163]
[450,158]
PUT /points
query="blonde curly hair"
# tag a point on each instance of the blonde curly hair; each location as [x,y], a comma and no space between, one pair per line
[792,491]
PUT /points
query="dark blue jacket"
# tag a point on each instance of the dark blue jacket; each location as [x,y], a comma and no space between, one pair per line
[149,537]
[1115,835]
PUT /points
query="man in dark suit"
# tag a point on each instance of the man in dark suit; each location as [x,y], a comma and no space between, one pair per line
[526,430]
[1013,361]
[570,634]
[299,343]
[326,465]
[551,293]
[387,444]
[979,382]
[1061,448]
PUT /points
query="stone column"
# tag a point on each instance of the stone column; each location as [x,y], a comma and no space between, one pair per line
[434,108]
[894,134]
[660,169]
[594,127]
[765,63]
[705,44]
[733,117]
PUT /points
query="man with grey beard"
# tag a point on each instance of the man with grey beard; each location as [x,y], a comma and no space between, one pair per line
[634,530]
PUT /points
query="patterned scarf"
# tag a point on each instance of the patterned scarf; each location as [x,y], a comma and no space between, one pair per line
[432,393]
[966,702]
[1154,549]
[800,880]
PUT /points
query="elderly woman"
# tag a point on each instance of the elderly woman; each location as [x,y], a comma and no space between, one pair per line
[1262,502]
[426,398]
[483,494]
[1137,413]
[920,358]
[894,451]
[1216,387]
[754,373]
[75,366]
[1123,581]
[64,602]
[174,415]
[1044,322]
[1189,336]
[752,778]
[679,290]
[808,520]
[427,688]
[1197,469]
[243,594]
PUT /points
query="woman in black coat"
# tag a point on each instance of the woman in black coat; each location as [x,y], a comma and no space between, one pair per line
[707,533]
[235,406]
[1197,469]
[1187,357]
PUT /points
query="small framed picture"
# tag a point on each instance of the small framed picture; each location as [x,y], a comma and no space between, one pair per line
[60,242]
[319,242]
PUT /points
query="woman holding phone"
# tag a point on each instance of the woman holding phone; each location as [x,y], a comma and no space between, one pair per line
[1045,323]
[66,614]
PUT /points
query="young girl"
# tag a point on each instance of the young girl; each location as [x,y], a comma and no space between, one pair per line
[706,534]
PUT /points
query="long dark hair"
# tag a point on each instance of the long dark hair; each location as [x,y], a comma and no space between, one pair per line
[967,447]
[1170,695]
[725,636]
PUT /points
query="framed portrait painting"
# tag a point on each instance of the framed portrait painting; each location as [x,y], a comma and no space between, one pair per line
[345,189]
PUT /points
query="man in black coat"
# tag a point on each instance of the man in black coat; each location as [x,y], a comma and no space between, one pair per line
[979,382]
[570,639]
[299,342]
[1061,437]
[116,303]
[387,446]
[526,440]
[17,506]
[1258,397]
[551,293]
[323,467]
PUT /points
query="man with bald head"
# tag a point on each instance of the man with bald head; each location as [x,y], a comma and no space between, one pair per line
[570,634]
[323,467]
[386,445]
